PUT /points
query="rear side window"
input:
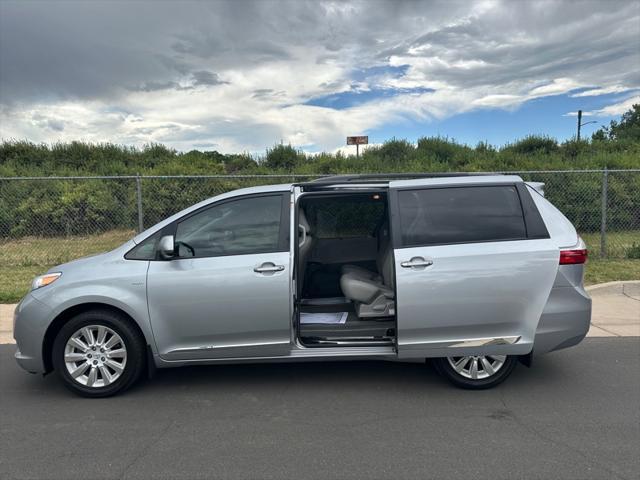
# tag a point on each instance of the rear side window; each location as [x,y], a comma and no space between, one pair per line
[438,216]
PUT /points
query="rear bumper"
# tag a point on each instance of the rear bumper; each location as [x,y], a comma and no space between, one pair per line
[565,319]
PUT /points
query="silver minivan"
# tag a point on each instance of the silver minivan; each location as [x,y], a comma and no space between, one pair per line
[473,273]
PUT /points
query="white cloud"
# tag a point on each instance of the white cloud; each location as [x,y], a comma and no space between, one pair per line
[615,109]
[557,87]
[593,92]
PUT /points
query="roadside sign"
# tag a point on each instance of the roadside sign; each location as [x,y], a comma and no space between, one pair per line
[358,140]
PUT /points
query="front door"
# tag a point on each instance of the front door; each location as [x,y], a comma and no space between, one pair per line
[227,293]
[474,267]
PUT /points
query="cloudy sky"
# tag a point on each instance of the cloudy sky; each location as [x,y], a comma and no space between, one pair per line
[243,75]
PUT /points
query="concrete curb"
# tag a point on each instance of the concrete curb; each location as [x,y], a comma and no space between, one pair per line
[630,288]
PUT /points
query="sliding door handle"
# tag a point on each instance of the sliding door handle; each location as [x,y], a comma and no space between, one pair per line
[268,268]
[416,262]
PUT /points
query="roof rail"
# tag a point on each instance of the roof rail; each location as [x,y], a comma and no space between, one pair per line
[387,177]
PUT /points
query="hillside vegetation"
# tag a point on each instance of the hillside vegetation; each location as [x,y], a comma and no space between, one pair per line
[429,154]
[615,146]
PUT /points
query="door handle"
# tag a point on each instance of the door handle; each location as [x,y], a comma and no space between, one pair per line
[416,262]
[269,269]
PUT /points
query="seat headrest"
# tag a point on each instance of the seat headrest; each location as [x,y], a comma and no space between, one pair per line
[302,220]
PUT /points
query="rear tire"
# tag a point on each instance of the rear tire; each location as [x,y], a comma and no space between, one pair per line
[461,371]
[99,353]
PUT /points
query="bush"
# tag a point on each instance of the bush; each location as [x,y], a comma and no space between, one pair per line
[533,144]
[634,251]
[283,157]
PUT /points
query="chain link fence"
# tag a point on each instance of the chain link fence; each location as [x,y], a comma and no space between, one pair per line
[50,220]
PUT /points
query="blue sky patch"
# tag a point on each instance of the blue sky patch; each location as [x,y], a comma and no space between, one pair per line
[541,116]
[354,97]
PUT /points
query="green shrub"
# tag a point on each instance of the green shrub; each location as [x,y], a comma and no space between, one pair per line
[633,252]
[282,157]
[532,144]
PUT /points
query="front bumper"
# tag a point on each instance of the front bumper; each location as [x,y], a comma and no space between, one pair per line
[30,321]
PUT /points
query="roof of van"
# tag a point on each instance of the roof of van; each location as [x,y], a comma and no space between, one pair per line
[382,180]
[388,177]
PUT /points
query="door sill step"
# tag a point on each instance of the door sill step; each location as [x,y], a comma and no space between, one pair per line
[347,342]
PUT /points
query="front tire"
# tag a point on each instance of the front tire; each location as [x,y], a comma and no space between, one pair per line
[476,372]
[98,353]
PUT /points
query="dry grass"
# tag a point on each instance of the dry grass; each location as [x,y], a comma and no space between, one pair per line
[600,271]
[21,260]
[618,243]
[37,251]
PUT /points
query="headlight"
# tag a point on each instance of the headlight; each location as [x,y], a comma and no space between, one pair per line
[44,280]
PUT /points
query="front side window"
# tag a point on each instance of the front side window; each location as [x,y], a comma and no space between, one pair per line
[237,227]
[438,216]
[146,250]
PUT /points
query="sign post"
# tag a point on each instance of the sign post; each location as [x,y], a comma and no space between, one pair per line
[357,141]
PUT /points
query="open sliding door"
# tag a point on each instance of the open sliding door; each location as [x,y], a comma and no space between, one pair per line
[474,266]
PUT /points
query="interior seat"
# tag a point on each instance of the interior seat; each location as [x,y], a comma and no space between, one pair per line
[305,244]
[383,241]
[361,272]
[372,293]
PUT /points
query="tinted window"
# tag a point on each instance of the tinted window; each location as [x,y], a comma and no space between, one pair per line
[345,217]
[146,250]
[460,214]
[243,226]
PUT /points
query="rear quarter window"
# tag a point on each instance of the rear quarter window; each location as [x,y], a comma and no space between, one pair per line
[438,216]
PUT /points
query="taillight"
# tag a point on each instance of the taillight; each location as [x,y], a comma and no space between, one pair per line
[573,257]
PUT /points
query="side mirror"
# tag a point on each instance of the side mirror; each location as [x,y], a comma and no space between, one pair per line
[167,247]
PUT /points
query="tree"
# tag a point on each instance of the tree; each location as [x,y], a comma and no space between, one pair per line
[283,157]
[627,129]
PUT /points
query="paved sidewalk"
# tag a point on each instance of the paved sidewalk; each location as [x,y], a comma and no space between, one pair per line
[616,312]
[6,323]
[616,309]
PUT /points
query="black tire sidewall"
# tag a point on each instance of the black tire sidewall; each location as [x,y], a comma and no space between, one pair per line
[446,370]
[131,338]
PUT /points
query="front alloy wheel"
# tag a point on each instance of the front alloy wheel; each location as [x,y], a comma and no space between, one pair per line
[476,371]
[99,353]
[95,356]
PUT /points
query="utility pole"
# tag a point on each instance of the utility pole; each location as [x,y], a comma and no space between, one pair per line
[580,124]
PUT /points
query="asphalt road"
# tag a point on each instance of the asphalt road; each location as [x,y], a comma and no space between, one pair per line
[575,414]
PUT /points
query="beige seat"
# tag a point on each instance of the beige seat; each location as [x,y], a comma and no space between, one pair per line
[373,293]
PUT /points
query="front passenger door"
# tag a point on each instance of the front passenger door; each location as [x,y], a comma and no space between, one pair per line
[227,293]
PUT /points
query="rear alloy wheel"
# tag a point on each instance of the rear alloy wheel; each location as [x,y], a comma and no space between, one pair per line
[98,354]
[476,371]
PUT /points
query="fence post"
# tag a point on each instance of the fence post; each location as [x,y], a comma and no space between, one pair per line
[603,214]
[139,199]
